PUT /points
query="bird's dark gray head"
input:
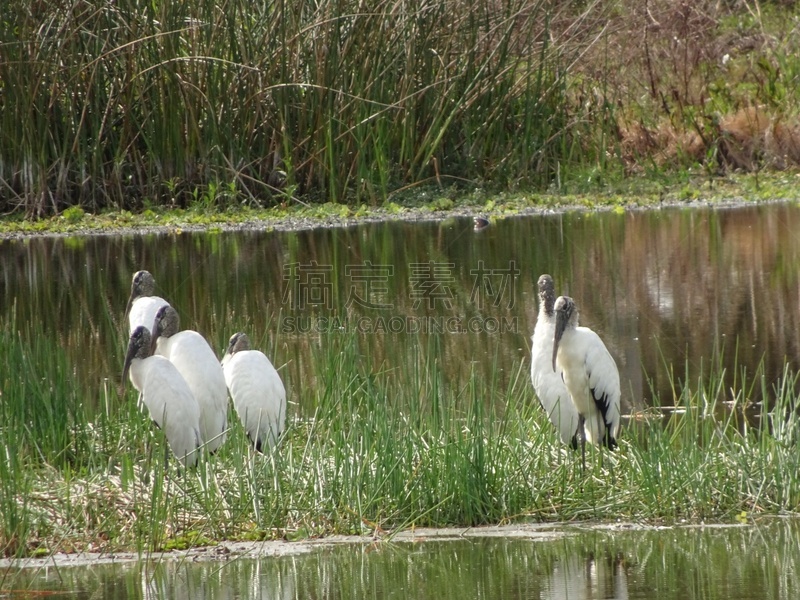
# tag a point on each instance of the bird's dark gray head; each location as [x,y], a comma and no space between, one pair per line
[167,320]
[166,324]
[566,310]
[142,285]
[238,343]
[140,342]
[547,294]
[566,316]
[138,347]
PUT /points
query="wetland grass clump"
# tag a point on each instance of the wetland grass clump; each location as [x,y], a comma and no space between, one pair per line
[716,458]
[139,104]
[373,449]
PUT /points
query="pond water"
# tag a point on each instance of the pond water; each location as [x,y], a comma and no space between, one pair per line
[709,563]
[671,292]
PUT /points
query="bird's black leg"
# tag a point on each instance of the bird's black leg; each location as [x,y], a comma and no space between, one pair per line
[601,426]
[581,426]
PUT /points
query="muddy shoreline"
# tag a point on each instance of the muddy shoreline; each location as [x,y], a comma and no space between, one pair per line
[302,223]
[229,550]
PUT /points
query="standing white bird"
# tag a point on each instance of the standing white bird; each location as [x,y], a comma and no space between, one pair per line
[198,364]
[590,375]
[165,394]
[142,304]
[547,383]
[259,396]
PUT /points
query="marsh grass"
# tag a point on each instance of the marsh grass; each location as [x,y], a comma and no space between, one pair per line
[135,104]
[383,448]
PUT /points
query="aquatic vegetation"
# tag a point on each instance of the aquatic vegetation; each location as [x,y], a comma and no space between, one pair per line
[385,432]
[385,448]
[619,196]
[326,102]
[315,102]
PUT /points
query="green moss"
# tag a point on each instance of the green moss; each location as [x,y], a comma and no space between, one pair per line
[74,214]
[442,204]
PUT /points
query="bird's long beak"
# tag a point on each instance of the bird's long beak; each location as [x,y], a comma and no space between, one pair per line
[126,368]
[561,325]
[154,338]
[227,356]
[128,306]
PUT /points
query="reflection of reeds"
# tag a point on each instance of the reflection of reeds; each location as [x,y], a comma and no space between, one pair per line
[620,561]
[397,430]
[674,283]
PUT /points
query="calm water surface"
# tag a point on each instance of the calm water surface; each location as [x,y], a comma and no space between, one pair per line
[672,292]
[733,563]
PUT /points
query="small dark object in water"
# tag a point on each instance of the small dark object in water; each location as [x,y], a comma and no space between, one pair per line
[480,223]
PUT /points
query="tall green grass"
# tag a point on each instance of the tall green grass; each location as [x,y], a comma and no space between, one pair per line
[133,103]
[384,448]
[42,410]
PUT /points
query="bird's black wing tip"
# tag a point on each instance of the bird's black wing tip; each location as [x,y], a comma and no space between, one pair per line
[600,401]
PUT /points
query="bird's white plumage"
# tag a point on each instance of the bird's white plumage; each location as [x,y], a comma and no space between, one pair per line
[167,397]
[196,361]
[258,393]
[590,375]
[143,311]
[547,383]
[142,303]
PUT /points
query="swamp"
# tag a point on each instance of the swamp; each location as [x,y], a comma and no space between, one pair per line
[409,408]
[370,192]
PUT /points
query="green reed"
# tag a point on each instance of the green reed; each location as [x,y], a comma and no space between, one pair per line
[373,448]
[42,412]
[136,104]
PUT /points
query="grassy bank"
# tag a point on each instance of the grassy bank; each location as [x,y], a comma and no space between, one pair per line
[678,189]
[136,105]
[384,449]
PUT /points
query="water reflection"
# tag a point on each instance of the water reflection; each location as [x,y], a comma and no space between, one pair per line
[727,563]
[669,291]
[588,578]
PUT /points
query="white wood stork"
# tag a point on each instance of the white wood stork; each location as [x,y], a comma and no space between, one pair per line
[165,394]
[259,396]
[547,383]
[198,364]
[590,375]
[142,304]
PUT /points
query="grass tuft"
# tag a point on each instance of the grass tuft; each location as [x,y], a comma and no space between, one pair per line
[139,104]
[384,449]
